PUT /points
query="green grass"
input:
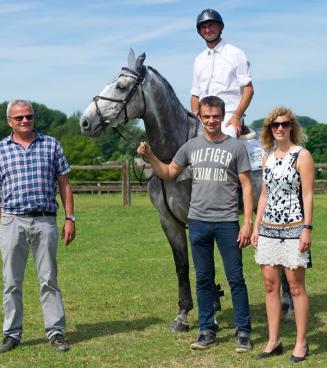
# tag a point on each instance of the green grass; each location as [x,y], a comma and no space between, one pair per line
[120,295]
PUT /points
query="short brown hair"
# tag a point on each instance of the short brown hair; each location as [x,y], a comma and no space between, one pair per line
[266,136]
[212,101]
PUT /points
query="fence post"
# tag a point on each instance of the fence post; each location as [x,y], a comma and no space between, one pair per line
[126,188]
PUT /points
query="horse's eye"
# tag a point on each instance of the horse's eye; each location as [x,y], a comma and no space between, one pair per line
[120,87]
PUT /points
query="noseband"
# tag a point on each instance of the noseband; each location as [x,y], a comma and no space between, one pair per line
[139,77]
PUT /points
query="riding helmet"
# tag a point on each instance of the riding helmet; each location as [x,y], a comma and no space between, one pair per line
[208,15]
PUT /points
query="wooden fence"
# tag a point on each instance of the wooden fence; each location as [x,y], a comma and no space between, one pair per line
[102,187]
[126,187]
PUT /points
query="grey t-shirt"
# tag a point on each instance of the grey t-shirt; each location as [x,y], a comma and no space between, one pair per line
[215,168]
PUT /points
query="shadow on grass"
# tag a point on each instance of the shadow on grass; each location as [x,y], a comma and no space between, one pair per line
[90,331]
[259,336]
[316,330]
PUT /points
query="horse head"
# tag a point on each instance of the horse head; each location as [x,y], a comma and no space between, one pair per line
[121,100]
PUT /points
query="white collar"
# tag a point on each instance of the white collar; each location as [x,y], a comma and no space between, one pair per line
[217,49]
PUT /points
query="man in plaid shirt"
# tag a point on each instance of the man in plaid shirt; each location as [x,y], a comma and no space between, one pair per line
[31,165]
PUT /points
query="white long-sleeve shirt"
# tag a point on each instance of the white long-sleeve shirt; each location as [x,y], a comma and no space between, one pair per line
[222,72]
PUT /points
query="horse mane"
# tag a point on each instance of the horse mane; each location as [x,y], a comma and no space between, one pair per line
[170,89]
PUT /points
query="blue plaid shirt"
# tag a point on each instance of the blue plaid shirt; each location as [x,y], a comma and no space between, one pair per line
[28,178]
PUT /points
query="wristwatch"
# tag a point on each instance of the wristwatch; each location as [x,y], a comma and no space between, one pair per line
[71,218]
[307,226]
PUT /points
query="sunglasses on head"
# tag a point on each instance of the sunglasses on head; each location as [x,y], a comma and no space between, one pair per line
[276,124]
[20,118]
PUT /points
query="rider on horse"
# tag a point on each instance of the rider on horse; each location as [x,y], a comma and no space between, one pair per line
[221,70]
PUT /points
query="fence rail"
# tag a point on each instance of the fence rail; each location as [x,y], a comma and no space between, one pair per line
[126,187]
[102,187]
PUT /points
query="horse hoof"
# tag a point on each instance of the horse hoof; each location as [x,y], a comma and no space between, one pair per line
[290,316]
[286,303]
[216,306]
[179,326]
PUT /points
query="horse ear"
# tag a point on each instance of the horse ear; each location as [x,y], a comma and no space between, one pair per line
[139,62]
[131,59]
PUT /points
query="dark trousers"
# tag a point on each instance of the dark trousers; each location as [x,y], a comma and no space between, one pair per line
[202,235]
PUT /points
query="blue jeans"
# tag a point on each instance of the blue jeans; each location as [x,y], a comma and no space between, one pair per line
[202,235]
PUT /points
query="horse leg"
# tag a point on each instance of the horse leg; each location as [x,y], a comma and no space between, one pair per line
[176,236]
[218,293]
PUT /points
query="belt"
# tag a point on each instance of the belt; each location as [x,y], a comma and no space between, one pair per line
[40,213]
[291,224]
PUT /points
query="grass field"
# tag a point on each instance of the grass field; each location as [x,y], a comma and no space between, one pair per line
[120,295]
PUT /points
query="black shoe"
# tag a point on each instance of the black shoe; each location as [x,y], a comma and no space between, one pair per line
[295,359]
[205,341]
[278,350]
[8,343]
[59,343]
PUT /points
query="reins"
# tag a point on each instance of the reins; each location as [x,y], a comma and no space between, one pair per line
[140,179]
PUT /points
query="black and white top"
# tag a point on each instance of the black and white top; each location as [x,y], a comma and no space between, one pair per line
[280,231]
[284,203]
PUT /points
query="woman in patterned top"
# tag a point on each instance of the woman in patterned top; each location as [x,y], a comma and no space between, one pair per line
[282,230]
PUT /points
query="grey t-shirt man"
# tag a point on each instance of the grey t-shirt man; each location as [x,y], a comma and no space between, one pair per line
[215,168]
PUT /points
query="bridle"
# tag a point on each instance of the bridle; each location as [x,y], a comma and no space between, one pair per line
[139,77]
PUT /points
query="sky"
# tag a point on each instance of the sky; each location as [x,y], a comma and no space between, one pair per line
[61,53]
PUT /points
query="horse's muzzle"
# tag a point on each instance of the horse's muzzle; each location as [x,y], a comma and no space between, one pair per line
[88,130]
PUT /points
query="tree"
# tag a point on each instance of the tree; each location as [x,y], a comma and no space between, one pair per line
[305,121]
[4,127]
[45,117]
[81,150]
[69,128]
[316,142]
[257,124]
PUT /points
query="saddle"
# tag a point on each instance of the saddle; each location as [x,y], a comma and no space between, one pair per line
[247,133]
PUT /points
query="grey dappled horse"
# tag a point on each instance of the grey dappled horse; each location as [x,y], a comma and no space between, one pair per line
[139,91]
